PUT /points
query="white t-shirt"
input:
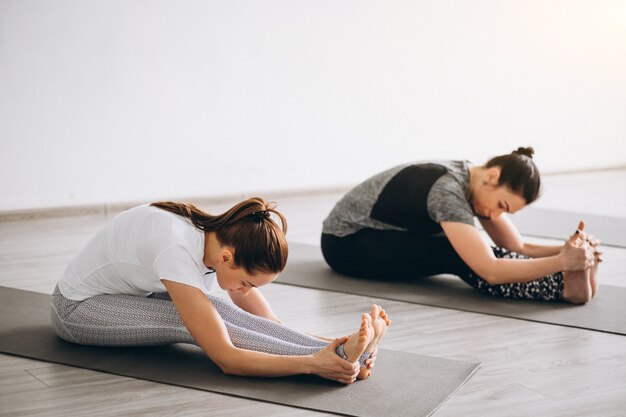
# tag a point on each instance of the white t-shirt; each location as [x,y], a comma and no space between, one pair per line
[133,252]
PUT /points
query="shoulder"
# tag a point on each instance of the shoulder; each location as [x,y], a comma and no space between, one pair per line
[160,229]
[448,199]
[455,179]
[157,220]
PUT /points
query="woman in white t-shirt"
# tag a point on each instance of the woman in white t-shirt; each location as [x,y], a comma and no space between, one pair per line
[145,278]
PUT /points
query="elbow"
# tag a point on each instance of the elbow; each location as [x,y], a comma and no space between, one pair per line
[227,370]
[230,368]
[228,363]
[490,279]
[225,366]
[487,273]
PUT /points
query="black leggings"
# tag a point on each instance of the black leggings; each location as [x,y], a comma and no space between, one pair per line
[373,254]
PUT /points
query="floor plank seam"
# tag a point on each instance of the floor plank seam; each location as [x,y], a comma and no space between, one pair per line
[539,392]
[31,374]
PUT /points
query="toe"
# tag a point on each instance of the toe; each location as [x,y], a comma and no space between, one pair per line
[375,311]
[366,318]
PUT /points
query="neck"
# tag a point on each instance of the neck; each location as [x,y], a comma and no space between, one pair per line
[211,249]
[475,177]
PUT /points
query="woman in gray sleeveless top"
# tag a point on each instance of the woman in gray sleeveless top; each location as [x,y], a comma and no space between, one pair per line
[417,220]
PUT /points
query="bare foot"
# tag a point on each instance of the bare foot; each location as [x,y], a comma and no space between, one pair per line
[597,253]
[577,287]
[580,286]
[360,340]
[380,323]
[593,278]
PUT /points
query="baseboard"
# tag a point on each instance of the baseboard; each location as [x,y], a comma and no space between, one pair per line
[108,209]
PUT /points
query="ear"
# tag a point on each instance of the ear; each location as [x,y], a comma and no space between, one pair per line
[227,257]
[492,176]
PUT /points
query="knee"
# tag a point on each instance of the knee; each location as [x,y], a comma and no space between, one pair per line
[60,328]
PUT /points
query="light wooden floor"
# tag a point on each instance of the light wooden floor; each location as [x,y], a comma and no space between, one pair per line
[527,368]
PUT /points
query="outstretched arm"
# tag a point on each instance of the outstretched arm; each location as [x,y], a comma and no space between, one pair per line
[254,303]
[505,235]
[207,328]
[477,254]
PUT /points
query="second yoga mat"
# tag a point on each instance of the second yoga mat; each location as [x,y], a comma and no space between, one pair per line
[557,224]
[605,313]
[403,384]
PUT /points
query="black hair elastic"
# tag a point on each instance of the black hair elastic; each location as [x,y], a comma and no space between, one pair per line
[260,215]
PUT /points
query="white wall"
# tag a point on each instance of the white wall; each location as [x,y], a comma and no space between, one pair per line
[118,100]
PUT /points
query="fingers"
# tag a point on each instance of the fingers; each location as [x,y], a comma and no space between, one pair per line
[335,343]
[580,237]
[592,242]
[332,366]
[346,365]
[589,257]
[374,353]
[370,362]
[597,252]
[348,376]
[346,381]
[581,258]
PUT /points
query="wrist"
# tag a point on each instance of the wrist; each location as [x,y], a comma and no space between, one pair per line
[561,262]
[308,364]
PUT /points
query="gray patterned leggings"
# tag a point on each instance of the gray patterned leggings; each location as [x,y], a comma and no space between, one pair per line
[126,320]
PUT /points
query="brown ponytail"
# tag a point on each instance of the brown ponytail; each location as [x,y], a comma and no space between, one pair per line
[258,241]
[519,172]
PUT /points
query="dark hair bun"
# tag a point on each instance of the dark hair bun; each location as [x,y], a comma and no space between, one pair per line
[529,151]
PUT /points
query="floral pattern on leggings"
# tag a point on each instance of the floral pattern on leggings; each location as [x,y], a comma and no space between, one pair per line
[549,288]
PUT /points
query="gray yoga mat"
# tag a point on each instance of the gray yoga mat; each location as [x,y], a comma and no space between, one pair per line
[605,313]
[403,384]
[561,224]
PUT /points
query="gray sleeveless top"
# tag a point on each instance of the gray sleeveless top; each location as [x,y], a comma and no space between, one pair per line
[412,197]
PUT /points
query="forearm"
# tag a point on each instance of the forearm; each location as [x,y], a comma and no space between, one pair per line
[539,251]
[506,271]
[251,363]
[203,321]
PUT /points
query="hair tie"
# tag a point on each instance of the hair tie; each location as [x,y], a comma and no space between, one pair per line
[260,215]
